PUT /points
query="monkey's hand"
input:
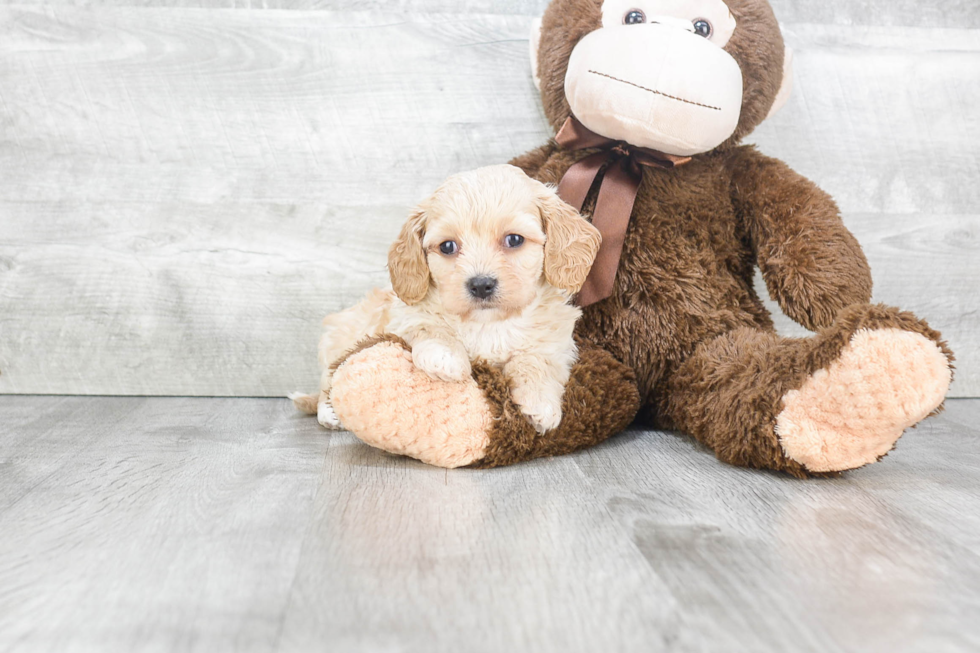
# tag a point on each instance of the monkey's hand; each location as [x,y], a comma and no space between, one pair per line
[812,265]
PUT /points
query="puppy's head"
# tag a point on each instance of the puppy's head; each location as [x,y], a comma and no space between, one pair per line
[487,240]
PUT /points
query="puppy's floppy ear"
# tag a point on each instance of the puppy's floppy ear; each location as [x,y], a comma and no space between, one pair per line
[571,245]
[407,265]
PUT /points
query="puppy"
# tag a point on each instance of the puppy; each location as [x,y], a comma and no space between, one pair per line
[484,268]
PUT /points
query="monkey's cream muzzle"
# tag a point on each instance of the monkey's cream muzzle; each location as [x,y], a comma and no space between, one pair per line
[656,85]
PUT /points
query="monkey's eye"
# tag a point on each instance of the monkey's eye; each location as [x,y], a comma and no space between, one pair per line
[449,247]
[513,240]
[634,17]
[703,28]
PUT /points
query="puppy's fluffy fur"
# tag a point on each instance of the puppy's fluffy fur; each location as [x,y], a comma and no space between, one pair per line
[505,230]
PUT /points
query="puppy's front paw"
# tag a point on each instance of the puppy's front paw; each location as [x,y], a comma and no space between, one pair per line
[542,409]
[440,361]
[327,417]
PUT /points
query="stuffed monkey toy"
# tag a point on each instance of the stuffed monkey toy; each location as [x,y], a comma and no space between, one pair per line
[650,100]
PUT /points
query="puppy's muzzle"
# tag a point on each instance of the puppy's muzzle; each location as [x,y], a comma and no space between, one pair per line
[482,287]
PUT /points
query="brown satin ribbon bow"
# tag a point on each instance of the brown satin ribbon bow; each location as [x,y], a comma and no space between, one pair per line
[621,166]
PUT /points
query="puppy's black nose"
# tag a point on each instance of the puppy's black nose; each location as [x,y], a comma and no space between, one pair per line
[482,287]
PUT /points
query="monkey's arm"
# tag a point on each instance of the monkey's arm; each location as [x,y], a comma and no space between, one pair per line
[812,265]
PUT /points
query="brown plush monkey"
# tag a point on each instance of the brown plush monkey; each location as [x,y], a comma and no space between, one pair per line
[650,100]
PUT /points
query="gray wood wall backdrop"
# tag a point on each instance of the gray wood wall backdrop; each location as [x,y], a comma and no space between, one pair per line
[187,187]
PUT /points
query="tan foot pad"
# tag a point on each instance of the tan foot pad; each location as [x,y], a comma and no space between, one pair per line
[385,401]
[851,413]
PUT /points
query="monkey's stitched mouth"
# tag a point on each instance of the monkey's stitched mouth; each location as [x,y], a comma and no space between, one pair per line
[650,90]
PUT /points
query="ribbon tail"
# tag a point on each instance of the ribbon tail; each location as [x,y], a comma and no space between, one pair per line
[612,218]
[575,185]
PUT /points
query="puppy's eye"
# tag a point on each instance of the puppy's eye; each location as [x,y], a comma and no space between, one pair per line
[703,28]
[513,240]
[449,247]
[634,17]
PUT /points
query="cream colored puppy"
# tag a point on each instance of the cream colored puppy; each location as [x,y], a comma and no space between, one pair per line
[484,268]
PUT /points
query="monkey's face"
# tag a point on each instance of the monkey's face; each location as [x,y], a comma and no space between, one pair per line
[655,74]
[662,74]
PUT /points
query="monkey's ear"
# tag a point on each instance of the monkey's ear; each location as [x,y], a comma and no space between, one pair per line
[407,265]
[571,243]
[787,85]
[535,42]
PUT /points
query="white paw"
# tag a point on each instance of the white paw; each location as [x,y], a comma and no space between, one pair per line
[440,362]
[542,411]
[328,418]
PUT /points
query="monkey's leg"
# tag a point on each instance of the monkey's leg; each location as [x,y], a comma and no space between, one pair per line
[385,401]
[833,402]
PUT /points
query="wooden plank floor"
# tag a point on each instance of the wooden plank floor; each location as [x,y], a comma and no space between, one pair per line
[170,524]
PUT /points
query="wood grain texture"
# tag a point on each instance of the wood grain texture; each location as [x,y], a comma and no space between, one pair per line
[381,8]
[174,524]
[908,13]
[188,189]
[167,525]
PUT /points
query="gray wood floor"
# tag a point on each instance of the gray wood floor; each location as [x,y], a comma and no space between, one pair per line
[132,524]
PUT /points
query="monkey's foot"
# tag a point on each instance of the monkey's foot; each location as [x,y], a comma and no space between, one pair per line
[852,412]
[387,402]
